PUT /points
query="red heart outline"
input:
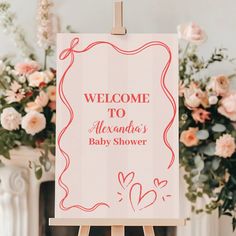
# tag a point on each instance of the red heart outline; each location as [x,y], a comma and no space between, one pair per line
[141,197]
[160,183]
[122,179]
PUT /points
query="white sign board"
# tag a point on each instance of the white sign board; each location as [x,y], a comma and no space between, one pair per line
[117,126]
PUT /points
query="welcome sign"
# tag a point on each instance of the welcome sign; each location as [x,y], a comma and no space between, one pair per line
[117,126]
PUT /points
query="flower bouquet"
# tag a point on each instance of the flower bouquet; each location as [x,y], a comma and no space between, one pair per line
[207,115]
[28,91]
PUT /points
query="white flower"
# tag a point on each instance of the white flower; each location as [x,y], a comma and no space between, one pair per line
[22,79]
[213,100]
[33,122]
[36,79]
[192,33]
[10,119]
[49,76]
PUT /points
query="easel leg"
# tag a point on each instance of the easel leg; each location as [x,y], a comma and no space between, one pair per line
[117,230]
[84,230]
[148,231]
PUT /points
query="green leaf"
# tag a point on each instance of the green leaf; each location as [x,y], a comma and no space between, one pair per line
[219,128]
[203,134]
[216,163]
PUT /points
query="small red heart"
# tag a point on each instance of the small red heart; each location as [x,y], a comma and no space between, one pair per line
[160,183]
[125,181]
[140,200]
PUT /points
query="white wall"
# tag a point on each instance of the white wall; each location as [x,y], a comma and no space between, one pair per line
[217,17]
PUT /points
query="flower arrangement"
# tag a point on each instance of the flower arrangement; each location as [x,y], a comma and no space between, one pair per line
[28,91]
[28,108]
[207,115]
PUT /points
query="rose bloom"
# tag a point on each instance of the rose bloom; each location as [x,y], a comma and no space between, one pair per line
[36,79]
[32,106]
[201,115]
[227,106]
[42,99]
[27,68]
[225,146]
[49,76]
[33,122]
[219,85]
[192,33]
[51,91]
[10,119]
[189,137]
[194,97]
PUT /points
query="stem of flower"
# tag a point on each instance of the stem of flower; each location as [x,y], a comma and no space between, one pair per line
[45,59]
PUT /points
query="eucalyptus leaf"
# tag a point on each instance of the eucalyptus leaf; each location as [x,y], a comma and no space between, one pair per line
[218,128]
[209,149]
[203,134]
[203,178]
[216,163]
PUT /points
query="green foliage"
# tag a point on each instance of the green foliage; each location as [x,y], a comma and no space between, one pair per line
[206,174]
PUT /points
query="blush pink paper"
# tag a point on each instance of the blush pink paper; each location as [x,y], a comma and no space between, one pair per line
[102,173]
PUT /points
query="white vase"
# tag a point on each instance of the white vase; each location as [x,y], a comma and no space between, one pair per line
[19,193]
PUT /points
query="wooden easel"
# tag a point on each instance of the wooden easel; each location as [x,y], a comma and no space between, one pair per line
[117,225]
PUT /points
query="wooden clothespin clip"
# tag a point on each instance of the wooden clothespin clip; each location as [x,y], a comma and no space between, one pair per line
[118,28]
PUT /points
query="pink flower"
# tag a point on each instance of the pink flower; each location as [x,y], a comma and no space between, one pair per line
[51,91]
[201,115]
[32,106]
[192,33]
[15,93]
[219,85]
[10,119]
[27,67]
[36,78]
[194,97]
[225,146]
[33,122]
[42,99]
[227,106]
[189,137]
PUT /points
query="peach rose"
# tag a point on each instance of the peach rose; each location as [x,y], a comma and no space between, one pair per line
[194,97]
[192,33]
[42,99]
[219,85]
[36,78]
[33,122]
[27,67]
[49,76]
[32,106]
[227,106]
[201,115]
[225,146]
[189,137]
[51,91]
